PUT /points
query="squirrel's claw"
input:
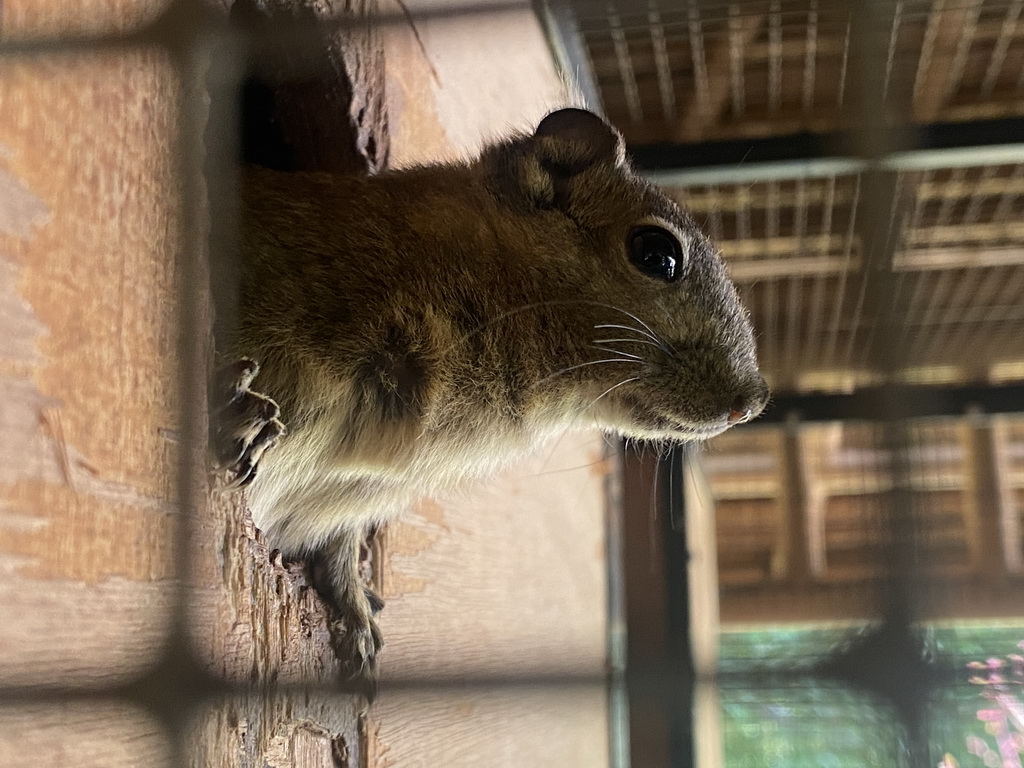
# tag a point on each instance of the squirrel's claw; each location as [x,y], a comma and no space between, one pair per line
[243,425]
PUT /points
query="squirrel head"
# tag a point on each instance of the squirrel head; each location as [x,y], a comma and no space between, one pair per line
[646,331]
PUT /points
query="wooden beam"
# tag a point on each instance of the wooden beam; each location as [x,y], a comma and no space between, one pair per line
[750,270]
[791,561]
[941,40]
[988,503]
[950,596]
[702,545]
[926,237]
[935,259]
[736,198]
[703,114]
[755,270]
[741,489]
[780,246]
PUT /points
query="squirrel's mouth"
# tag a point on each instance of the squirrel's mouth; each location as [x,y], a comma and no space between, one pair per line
[649,424]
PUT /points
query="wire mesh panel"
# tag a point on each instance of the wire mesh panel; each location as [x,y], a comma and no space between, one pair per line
[848,588]
[882,272]
[794,250]
[686,71]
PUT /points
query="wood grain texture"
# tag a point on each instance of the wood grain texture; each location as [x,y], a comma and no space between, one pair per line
[55,18]
[311,730]
[88,417]
[504,580]
[461,81]
[89,218]
[542,727]
[252,618]
[80,735]
[508,578]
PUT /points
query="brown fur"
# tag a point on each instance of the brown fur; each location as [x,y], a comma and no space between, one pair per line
[425,326]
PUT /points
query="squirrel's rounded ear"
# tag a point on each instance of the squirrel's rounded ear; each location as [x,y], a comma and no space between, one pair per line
[575,139]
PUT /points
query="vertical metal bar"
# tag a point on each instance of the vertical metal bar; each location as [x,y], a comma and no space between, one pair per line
[697,56]
[743,229]
[848,250]
[857,319]
[873,21]
[570,49]
[872,326]
[736,61]
[922,278]
[941,287]
[796,283]
[955,317]
[924,59]
[771,287]
[715,214]
[817,301]
[810,57]
[625,63]
[774,57]
[891,54]
[1007,33]
[662,66]
[843,66]
[963,46]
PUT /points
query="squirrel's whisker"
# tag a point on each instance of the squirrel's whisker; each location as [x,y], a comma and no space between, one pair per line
[614,386]
[635,341]
[620,352]
[628,328]
[634,317]
[653,339]
[583,365]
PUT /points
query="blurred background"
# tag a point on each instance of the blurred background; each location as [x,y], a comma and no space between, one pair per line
[837,584]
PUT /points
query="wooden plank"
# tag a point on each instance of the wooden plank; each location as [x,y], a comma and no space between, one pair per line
[89,439]
[81,735]
[987,500]
[503,580]
[546,727]
[748,270]
[87,424]
[946,25]
[702,115]
[736,198]
[791,557]
[312,729]
[21,19]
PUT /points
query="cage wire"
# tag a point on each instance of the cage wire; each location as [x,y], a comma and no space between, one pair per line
[860,166]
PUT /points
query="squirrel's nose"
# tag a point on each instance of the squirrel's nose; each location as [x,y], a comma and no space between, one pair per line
[746,405]
[740,411]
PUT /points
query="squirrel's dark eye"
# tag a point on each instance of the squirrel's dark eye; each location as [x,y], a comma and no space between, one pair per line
[656,252]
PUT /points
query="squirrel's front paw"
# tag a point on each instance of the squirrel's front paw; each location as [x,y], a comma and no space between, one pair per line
[244,424]
[357,640]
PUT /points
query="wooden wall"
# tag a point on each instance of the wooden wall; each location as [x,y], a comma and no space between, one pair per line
[505,579]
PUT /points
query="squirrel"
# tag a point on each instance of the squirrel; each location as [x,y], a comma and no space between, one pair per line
[424,326]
